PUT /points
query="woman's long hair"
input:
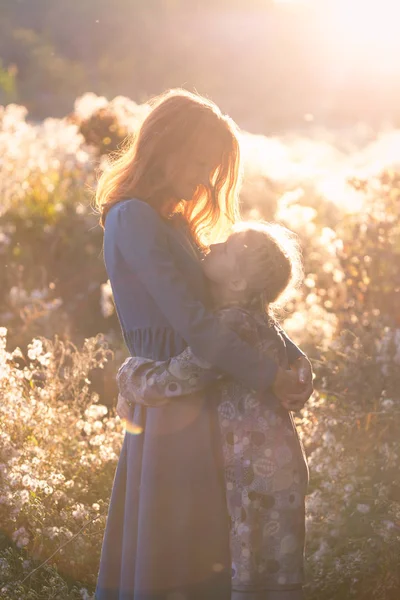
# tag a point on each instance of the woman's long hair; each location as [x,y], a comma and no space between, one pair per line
[176,120]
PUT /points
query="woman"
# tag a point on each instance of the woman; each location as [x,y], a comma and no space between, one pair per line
[167,533]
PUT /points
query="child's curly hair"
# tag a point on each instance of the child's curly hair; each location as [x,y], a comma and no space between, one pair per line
[271,263]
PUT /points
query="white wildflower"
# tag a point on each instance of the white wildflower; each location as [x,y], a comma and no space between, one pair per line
[387,403]
[329,438]
[80,511]
[21,537]
[85,594]
[363,508]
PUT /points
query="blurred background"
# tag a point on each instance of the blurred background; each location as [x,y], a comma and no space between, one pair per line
[314,86]
[338,59]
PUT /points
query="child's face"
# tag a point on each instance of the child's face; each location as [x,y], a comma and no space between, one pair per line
[221,264]
[186,172]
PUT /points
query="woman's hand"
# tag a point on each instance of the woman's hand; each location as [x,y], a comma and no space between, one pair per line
[123,407]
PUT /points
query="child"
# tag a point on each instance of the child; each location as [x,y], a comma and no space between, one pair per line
[265,469]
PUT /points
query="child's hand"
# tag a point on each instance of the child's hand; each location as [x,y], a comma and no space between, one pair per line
[286,382]
[304,370]
[123,407]
[291,392]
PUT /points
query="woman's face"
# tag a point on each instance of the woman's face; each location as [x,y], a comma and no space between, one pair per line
[185,171]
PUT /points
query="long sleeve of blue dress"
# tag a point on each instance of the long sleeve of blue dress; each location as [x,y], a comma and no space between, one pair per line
[143,243]
[154,383]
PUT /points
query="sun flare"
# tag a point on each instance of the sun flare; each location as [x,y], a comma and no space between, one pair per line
[364,29]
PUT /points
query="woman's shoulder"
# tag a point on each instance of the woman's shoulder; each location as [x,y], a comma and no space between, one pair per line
[133,206]
[133,217]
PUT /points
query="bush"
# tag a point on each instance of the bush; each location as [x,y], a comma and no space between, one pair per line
[350,430]
[58,453]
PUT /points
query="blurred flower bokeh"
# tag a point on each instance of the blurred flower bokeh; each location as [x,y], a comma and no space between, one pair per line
[60,437]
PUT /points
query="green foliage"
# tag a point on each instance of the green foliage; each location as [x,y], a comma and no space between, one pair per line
[54,245]
[8,91]
[44,76]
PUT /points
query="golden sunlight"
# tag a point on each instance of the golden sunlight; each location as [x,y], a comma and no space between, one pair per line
[361,16]
[364,31]
[365,18]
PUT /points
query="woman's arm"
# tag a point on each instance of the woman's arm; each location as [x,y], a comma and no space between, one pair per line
[154,383]
[141,238]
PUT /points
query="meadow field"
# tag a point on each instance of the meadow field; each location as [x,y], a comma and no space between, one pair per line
[60,345]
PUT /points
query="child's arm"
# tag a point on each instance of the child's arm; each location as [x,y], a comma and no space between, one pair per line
[154,383]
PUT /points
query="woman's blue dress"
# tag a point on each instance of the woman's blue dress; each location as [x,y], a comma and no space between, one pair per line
[167,535]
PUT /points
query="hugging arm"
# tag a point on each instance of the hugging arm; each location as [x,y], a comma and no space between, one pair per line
[154,383]
[142,241]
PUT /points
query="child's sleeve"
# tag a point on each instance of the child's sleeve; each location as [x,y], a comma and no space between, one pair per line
[142,242]
[154,383]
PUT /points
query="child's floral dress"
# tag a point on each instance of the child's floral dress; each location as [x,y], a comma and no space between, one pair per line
[266,473]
